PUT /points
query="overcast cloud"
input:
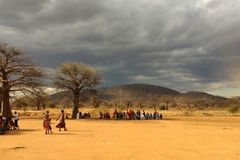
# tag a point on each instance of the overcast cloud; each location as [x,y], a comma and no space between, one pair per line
[182,44]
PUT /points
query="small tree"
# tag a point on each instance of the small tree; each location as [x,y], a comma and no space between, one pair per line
[17,73]
[129,104]
[38,97]
[20,103]
[76,77]
[97,102]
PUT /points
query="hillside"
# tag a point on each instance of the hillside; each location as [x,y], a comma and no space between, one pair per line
[135,92]
[199,99]
[145,94]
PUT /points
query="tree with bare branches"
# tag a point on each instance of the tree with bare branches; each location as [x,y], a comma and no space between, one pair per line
[17,74]
[76,77]
[38,97]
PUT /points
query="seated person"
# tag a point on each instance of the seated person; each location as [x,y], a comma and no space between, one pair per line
[138,115]
[12,125]
[115,114]
[107,115]
[4,126]
[150,116]
[1,122]
[100,115]
[161,116]
[147,116]
[142,116]
[157,115]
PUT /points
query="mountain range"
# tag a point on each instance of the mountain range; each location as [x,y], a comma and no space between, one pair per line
[141,94]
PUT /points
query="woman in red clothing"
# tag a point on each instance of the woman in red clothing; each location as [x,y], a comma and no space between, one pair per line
[61,123]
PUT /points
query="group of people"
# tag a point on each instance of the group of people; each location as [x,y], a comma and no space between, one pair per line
[131,114]
[6,124]
[47,122]
[81,115]
[104,115]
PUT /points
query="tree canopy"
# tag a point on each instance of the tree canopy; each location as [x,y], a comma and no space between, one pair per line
[17,74]
[76,77]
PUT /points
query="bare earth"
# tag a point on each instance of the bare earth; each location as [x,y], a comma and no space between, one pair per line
[194,138]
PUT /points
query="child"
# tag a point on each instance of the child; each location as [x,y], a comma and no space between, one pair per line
[50,127]
[46,124]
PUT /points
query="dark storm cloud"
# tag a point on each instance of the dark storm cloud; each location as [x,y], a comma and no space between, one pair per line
[187,45]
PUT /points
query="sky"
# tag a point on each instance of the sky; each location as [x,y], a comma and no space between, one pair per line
[182,44]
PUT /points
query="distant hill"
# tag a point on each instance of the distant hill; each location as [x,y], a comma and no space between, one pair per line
[145,94]
[199,99]
[135,91]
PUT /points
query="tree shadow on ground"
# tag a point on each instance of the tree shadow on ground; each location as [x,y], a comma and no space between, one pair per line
[20,131]
[82,131]
[61,134]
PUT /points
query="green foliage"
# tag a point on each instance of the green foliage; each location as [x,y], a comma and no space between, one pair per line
[121,107]
[162,107]
[51,105]
[97,103]
[20,103]
[233,109]
[140,105]
[207,114]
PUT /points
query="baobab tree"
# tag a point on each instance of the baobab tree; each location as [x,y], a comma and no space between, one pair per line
[76,77]
[17,74]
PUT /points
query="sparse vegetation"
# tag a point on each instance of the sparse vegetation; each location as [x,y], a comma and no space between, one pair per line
[233,109]
[162,107]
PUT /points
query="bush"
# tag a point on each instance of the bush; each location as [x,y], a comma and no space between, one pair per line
[121,107]
[207,114]
[233,109]
[187,113]
[162,107]
[51,105]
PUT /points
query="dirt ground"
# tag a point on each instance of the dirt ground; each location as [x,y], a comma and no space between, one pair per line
[185,138]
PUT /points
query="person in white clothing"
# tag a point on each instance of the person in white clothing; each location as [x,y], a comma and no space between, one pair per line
[16,118]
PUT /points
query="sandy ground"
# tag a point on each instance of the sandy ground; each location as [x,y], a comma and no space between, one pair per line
[187,138]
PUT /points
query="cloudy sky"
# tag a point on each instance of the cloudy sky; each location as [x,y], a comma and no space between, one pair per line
[182,44]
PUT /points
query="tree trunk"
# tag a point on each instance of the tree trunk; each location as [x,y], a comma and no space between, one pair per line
[1,100]
[6,104]
[38,105]
[0,107]
[75,105]
[1,103]
[166,108]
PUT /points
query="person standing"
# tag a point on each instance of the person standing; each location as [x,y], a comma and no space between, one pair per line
[61,123]
[16,118]
[47,123]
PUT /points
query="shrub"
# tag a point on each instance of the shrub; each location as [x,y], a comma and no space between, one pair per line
[207,114]
[187,113]
[162,107]
[233,109]
[51,105]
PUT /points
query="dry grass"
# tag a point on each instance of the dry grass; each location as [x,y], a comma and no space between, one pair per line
[178,138]
[95,111]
